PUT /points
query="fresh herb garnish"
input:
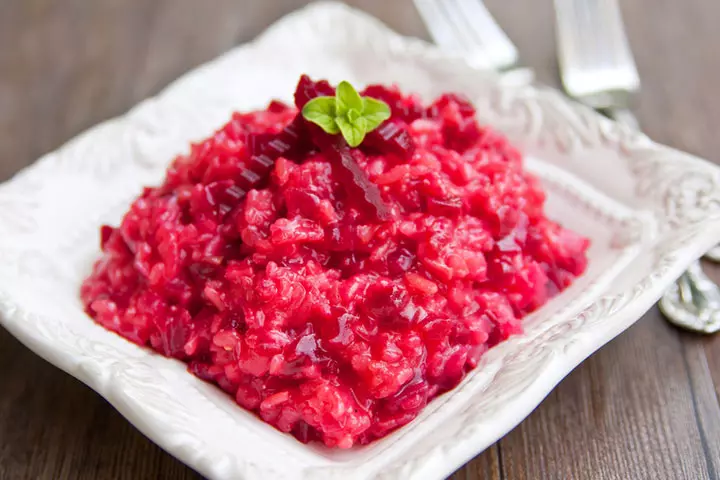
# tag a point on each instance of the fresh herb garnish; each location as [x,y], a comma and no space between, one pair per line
[347,113]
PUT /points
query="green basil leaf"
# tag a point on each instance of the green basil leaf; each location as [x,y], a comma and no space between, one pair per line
[347,113]
[353,134]
[321,111]
[375,112]
[346,97]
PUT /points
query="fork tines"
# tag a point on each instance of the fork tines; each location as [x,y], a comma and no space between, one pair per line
[595,59]
[466,26]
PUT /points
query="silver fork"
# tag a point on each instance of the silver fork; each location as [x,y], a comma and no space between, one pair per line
[466,26]
[598,69]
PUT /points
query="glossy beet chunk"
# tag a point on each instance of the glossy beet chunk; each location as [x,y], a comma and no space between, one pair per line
[404,108]
[391,137]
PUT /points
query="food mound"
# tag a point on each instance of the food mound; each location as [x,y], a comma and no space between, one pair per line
[334,291]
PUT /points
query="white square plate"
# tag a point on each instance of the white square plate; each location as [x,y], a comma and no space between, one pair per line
[649,211]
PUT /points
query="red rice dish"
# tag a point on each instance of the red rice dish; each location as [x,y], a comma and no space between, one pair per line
[335,291]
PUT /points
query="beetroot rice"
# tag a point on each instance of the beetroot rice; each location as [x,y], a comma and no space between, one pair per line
[273,274]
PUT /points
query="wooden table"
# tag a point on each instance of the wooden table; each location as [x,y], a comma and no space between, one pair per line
[645,406]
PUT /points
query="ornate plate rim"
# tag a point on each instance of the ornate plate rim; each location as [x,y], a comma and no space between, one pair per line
[680,193]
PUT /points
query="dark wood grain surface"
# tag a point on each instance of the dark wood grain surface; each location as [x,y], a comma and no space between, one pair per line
[644,406]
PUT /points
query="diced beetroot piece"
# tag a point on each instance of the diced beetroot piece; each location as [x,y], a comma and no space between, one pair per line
[450,207]
[459,102]
[106,232]
[391,137]
[307,89]
[403,108]
[358,181]
[276,106]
